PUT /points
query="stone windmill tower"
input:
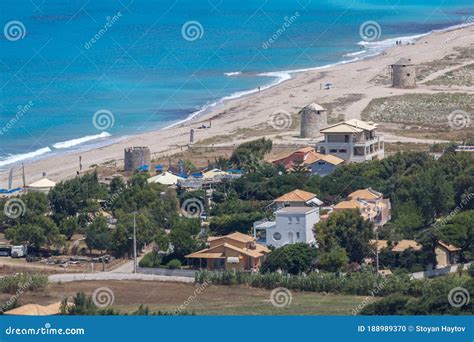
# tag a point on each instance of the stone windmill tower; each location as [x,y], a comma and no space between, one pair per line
[403,74]
[313,119]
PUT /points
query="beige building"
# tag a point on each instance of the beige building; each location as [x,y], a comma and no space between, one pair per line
[446,254]
[235,251]
[297,198]
[398,247]
[353,140]
[371,204]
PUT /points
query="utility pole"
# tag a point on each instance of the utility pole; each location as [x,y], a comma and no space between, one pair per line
[23,175]
[377,250]
[134,242]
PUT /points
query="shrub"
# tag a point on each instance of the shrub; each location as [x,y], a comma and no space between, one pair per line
[150,260]
[23,282]
[295,258]
[471,270]
[357,283]
[334,260]
[174,264]
[391,305]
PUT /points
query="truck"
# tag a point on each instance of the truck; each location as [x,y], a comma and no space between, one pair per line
[5,250]
[19,251]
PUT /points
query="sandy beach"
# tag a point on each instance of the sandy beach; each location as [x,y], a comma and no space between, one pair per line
[249,117]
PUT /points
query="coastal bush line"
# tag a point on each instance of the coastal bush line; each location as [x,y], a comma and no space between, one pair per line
[20,283]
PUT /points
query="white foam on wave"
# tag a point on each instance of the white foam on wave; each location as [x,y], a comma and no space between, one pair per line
[386,43]
[78,141]
[280,77]
[357,53]
[233,73]
[22,156]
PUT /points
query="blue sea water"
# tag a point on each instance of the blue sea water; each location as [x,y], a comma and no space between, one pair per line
[135,61]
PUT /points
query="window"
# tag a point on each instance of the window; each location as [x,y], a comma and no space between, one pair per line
[297,235]
[346,138]
[297,220]
[289,220]
[408,75]
[321,163]
[277,236]
[333,150]
[342,150]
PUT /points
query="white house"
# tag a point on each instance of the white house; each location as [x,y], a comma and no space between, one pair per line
[292,225]
[297,198]
[353,140]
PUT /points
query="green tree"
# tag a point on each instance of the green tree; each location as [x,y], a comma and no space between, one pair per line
[98,235]
[162,241]
[26,234]
[459,231]
[346,229]
[333,260]
[295,258]
[407,219]
[68,227]
[249,155]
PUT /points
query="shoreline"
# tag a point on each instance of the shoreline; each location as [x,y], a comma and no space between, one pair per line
[175,135]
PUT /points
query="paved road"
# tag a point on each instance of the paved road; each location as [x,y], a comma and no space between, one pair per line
[68,277]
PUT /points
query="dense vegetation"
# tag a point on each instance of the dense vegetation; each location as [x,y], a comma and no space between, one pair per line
[293,259]
[83,305]
[83,205]
[432,299]
[432,199]
[402,295]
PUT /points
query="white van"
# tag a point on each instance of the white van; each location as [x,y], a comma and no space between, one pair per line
[19,251]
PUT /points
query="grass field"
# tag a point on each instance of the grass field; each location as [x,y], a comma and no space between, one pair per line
[430,111]
[213,300]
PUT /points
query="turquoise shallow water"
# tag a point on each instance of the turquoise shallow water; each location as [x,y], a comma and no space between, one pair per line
[146,64]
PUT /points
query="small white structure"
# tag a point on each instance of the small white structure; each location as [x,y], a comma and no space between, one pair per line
[43,185]
[165,178]
[292,225]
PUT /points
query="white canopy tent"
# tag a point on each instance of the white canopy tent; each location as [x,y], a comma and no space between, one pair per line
[43,185]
